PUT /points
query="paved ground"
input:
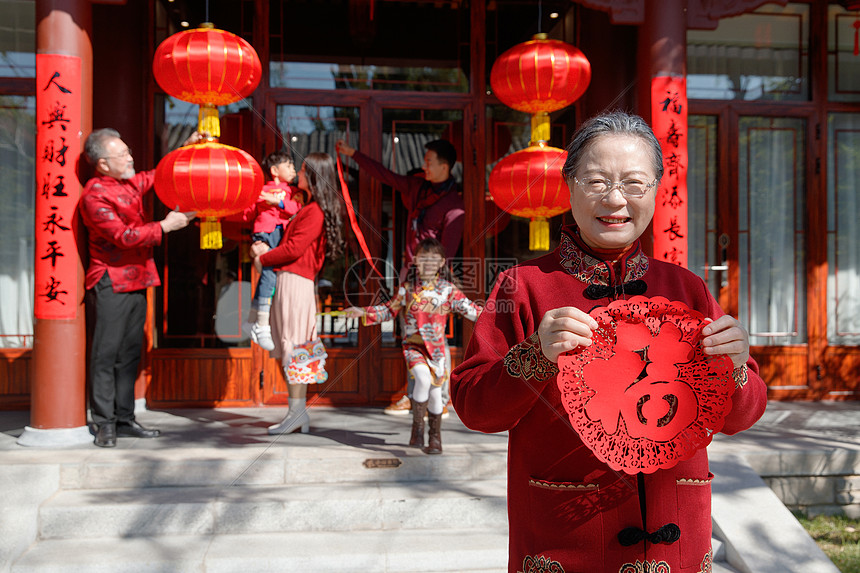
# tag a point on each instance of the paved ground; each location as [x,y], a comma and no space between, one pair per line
[361,428]
[784,426]
[792,431]
[799,426]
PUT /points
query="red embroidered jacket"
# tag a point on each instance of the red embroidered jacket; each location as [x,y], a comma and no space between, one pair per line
[120,239]
[302,248]
[565,507]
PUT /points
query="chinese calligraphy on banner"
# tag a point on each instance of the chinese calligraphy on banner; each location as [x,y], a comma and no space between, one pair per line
[58,142]
[669,121]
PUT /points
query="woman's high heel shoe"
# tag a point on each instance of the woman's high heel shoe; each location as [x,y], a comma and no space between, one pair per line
[292,422]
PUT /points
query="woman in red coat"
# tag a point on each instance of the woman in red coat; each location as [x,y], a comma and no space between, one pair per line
[313,235]
[566,508]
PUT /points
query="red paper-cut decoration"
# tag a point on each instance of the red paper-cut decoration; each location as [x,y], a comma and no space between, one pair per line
[644,396]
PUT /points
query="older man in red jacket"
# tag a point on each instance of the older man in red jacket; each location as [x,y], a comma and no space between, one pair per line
[121,267]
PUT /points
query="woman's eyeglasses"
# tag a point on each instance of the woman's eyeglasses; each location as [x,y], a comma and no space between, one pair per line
[600,187]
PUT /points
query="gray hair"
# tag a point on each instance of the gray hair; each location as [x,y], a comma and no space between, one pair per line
[611,123]
[94,146]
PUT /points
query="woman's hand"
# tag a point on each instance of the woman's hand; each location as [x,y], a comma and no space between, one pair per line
[726,336]
[271,198]
[258,248]
[563,329]
[353,312]
[342,147]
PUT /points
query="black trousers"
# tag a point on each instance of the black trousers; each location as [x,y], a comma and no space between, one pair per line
[116,348]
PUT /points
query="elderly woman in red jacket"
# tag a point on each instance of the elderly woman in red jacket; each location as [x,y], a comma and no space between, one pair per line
[568,511]
[312,236]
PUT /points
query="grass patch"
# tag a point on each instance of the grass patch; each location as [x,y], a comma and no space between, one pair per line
[838,536]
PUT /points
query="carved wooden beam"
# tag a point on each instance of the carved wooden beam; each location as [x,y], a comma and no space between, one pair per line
[701,14]
[706,14]
[620,11]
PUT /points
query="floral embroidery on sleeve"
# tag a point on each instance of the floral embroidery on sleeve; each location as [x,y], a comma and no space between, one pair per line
[739,375]
[526,360]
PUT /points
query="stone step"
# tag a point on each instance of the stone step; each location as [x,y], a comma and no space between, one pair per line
[748,516]
[407,551]
[273,466]
[154,512]
[401,551]
[719,564]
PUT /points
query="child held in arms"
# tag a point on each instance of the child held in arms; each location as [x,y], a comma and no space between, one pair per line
[426,299]
[277,204]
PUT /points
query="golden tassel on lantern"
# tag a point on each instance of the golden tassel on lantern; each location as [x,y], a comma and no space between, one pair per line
[540,128]
[207,121]
[539,234]
[210,233]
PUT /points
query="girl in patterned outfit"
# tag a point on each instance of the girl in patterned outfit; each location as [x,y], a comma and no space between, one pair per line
[426,299]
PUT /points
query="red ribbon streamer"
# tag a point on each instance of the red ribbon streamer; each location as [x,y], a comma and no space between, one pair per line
[353,221]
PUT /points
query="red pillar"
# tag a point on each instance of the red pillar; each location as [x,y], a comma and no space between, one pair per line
[663,102]
[58,395]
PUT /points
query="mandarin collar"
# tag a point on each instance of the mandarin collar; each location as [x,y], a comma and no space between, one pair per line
[577,259]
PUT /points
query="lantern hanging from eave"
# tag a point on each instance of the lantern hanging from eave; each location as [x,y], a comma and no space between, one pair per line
[211,179]
[536,77]
[208,67]
[540,76]
[528,183]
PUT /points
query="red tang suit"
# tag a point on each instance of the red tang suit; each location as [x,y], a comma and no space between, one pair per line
[566,507]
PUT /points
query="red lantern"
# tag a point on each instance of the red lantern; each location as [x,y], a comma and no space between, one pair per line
[209,67]
[212,179]
[536,77]
[529,183]
[540,75]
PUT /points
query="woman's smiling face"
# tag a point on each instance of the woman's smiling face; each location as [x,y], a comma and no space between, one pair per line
[613,221]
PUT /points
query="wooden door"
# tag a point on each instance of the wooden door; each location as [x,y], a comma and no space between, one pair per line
[749,208]
[404,132]
[302,129]
[365,364]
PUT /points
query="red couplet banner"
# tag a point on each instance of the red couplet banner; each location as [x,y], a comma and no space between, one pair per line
[58,147]
[669,121]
